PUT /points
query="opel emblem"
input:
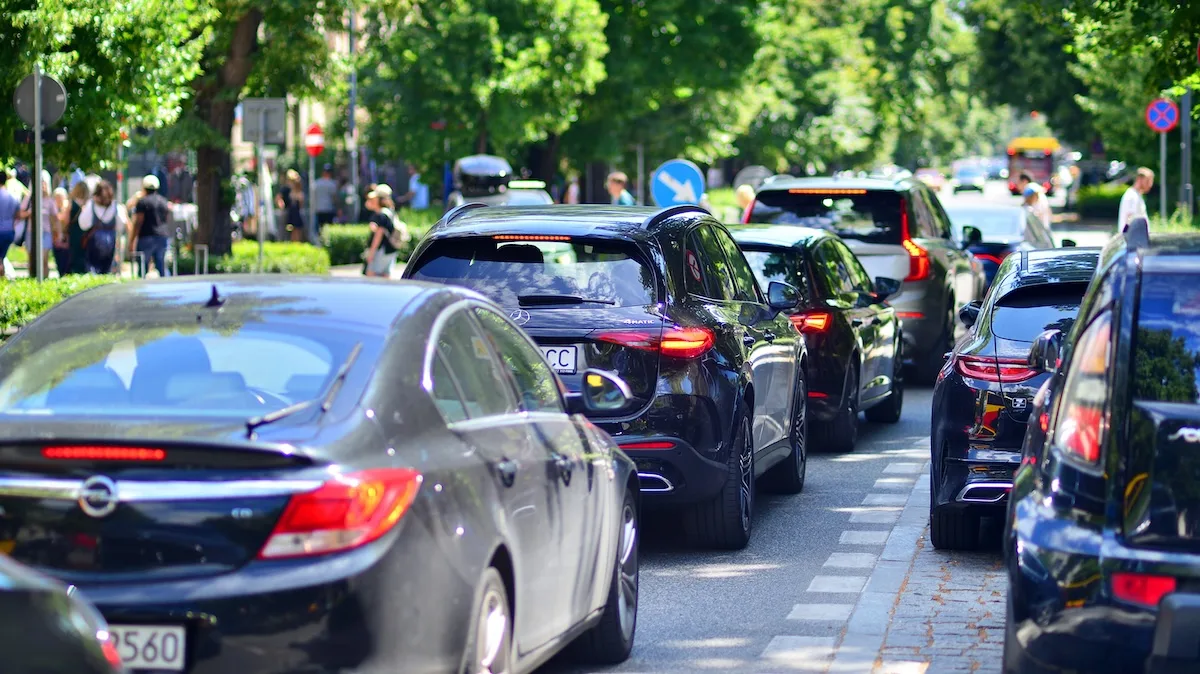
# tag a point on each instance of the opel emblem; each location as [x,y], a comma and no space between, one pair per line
[520,316]
[98,496]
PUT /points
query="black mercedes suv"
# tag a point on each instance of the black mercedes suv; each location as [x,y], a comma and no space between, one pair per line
[665,299]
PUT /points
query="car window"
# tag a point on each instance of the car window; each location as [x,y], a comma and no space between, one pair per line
[941,221]
[746,289]
[832,269]
[1166,354]
[536,382]
[707,270]
[1024,314]
[779,264]
[859,277]
[485,390]
[445,392]
[926,228]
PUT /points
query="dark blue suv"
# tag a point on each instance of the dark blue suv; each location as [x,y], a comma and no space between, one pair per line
[665,299]
[1102,538]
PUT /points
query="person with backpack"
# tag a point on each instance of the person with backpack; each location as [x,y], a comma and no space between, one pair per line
[151,227]
[388,235]
[102,222]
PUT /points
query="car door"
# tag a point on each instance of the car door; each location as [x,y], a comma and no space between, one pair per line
[521,464]
[865,318]
[540,400]
[842,298]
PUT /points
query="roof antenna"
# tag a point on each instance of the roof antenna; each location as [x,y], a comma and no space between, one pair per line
[216,300]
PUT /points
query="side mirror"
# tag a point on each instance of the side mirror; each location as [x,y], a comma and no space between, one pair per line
[603,393]
[971,236]
[970,313]
[1069,243]
[1046,352]
[781,296]
[886,288]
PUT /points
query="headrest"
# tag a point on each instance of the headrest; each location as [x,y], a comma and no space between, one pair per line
[193,385]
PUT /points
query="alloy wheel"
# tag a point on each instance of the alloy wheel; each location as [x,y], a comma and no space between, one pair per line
[627,572]
[746,489]
[492,635]
[800,427]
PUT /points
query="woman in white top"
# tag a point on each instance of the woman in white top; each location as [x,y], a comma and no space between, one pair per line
[103,221]
[49,224]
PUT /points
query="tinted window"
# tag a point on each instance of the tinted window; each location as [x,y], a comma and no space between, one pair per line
[995,225]
[778,264]
[485,391]
[535,380]
[445,393]
[940,220]
[831,267]
[925,225]
[711,267]
[746,285]
[873,217]
[610,272]
[244,372]
[859,277]
[1025,313]
[1166,352]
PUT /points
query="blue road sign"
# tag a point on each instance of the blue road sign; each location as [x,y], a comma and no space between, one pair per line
[1162,115]
[677,181]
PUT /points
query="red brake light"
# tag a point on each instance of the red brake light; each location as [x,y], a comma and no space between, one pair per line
[918,257]
[110,653]
[809,323]
[749,210]
[996,259]
[649,444]
[998,370]
[1142,588]
[345,512]
[675,342]
[98,453]
[1083,422]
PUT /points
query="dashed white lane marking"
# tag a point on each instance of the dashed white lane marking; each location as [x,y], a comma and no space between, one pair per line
[904,483]
[831,612]
[875,517]
[885,499]
[838,584]
[903,468]
[864,537]
[805,654]
[852,560]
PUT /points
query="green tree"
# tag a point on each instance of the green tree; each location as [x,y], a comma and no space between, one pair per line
[119,68]
[499,74]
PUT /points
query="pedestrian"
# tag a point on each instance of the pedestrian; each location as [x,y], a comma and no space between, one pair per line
[10,213]
[149,231]
[1034,198]
[617,182]
[572,193]
[48,222]
[76,254]
[324,198]
[418,192]
[1133,206]
[364,213]
[102,222]
[387,234]
[291,200]
[61,250]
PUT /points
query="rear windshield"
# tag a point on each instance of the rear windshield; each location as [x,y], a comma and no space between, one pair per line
[1166,356]
[598,272]
[871,217]
[1024,314]
[1033,162]
[528,198]
[164,371]
[991,224]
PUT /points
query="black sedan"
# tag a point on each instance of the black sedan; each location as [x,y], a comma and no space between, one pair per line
[317,475]
[853,335]
[665,299]
[992,233]
[47,627]
[984,393]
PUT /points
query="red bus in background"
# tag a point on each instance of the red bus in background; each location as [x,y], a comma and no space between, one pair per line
[1034,156]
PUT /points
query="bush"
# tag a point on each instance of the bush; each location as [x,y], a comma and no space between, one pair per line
[278,258]
[1100,201]
[22,300]
[346,243]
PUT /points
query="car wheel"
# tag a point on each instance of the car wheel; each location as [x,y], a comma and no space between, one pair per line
[952,528]
[1010,659]
[489,646]
[787,477]
[888,412]
[841,433]
[725,522]
[611,640]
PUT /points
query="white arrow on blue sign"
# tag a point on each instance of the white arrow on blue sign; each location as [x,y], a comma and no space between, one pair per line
[677,181]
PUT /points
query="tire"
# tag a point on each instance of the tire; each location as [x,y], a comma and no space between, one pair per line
[490,643]
[1010,659]
[931,365]
[611,640]
[889,411]
[726,521]
[952,528]
[787,477]
[841,433]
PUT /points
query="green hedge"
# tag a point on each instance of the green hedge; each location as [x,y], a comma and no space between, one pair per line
[278,258]
[1104,201]
[22,300]
[346,243]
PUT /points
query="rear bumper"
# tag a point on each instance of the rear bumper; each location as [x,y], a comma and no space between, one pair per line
[676,476]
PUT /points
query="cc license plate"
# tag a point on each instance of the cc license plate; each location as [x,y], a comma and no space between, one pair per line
[158,647]
[562,359]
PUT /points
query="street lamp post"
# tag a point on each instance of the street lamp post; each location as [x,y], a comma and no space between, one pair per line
[350,125]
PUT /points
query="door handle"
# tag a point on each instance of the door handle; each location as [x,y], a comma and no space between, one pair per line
[769,336]
[563,464]
[507,468]
[748,339]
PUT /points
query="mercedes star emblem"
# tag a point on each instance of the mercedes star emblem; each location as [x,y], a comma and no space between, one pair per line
[98,496]
[520,316]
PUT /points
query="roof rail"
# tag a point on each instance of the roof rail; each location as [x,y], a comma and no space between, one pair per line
[672,211]
[458,211]
[1137,234]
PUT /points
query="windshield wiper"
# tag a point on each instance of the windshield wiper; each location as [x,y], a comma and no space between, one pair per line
[340,378]
[326,399]
[535,300]
[272,417]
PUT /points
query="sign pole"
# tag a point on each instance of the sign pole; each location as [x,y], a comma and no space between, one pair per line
[1185,173]
[267,197]
[312,211]
[1162,179]
[34,228]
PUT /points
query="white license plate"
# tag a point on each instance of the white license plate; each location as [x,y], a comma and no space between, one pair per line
[150,646]
[562,359]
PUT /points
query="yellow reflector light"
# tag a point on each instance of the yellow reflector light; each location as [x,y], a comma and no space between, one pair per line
[530,237]
[595,380]
[799,190]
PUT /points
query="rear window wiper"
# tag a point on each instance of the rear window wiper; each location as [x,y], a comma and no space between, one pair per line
[534,300]
[326,399]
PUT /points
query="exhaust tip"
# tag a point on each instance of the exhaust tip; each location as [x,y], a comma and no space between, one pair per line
[653,483]
[985,492]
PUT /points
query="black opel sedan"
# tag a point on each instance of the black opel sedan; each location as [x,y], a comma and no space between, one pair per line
[316,475]
[853,336]
[1102,540]
[985,391]
[665,299]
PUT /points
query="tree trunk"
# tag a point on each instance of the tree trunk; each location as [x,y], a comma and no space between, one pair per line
[547,166]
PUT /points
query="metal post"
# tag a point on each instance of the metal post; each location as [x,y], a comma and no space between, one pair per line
[34,228]
[350,125]
[268,198]
[201,251]
[1162,178]
[312,210]
[641,171]
[1185,144]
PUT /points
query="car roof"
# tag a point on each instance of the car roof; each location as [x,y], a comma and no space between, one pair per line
[785,236]
[1047,266]
[600,221]
[834,182]
[980,208]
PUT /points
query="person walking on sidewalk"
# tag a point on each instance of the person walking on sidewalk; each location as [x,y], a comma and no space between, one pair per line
[76,254]
[387,235]
[616,189]
[49,223]
[102,221]
[1133,206]
[150,222]
[1035,199]
[10,212]
[324,196]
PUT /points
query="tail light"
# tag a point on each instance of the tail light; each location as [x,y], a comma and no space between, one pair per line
[1080,431]
[817,321]
[101,453]
[649,444]
[347,512]
[748,211]
[918,257]
[1142,588]
[988,368]
[674,342]
[1012,187]
[110,651]
[994,259]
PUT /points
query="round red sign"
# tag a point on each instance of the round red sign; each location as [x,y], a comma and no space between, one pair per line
[693,265]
